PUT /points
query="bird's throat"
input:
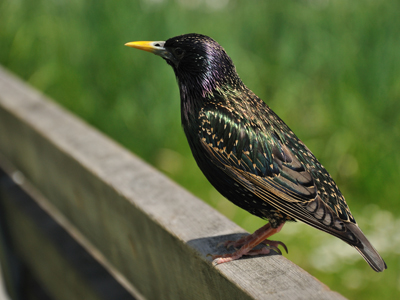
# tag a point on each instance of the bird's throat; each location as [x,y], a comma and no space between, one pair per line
[191,102]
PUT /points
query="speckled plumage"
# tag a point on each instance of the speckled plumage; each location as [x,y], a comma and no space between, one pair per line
[247,152]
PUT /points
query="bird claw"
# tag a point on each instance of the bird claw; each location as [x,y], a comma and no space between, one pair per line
[237,244]
[274,245]
[219,260]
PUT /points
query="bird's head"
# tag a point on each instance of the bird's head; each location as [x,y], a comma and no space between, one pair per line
[199,62]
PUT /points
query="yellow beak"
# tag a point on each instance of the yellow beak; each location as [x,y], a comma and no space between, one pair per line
[153,47]
[143,45]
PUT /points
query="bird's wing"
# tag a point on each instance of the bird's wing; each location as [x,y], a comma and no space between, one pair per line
[265,166]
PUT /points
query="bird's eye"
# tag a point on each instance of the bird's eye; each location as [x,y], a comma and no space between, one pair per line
[179,52]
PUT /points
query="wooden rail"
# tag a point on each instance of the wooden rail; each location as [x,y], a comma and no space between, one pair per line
[89,220]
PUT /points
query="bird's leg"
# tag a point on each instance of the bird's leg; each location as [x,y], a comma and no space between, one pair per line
[243,240]
[249,242]
[246,238]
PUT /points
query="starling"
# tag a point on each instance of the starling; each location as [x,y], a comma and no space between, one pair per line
[249,154]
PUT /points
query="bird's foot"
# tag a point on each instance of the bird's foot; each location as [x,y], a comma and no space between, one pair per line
[219,259]
[242,241]
[247,243]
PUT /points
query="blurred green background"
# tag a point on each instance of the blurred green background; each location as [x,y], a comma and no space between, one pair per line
[330,69]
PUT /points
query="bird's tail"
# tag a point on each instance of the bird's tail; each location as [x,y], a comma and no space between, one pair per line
[366,250]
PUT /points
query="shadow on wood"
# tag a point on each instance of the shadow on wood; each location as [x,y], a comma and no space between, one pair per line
[214,245]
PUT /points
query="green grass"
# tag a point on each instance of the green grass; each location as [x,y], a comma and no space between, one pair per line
[331,69]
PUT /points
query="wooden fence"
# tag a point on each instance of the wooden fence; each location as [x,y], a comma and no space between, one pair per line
[83,218]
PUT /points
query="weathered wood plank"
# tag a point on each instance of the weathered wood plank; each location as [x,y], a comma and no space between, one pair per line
[50,248]
[153,232]
[43,257]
